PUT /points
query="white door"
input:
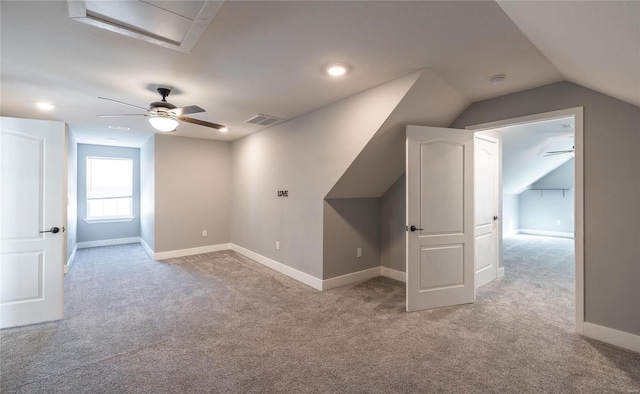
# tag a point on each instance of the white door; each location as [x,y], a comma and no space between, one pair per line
[33,199]
[440,219]
[487,202]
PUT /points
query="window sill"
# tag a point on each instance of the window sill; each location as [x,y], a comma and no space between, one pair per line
[114,220]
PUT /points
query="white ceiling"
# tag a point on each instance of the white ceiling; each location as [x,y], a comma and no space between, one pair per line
[267,57]
[592,43]
[524,147]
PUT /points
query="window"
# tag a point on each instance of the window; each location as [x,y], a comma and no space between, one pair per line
[109,188]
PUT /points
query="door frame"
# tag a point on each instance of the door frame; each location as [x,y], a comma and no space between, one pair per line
[578,114]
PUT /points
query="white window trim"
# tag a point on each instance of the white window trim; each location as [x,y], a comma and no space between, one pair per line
[111,219]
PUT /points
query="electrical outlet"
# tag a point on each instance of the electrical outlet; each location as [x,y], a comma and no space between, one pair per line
[204,233]
[359,252]
[277,245]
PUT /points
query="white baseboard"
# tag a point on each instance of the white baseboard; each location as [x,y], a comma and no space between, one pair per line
[107,242]
[67,266]
[546,233]
[293,273]
[393,274]
[500,272]
[353,277]
[146,247]
[189,252]
[363,275]
[279,267]
[612,336]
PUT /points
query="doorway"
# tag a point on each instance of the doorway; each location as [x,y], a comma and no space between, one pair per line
[554,148]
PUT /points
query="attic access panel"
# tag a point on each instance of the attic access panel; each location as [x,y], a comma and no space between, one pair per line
[171,24]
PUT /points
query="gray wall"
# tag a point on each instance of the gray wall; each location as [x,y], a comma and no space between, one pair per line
[72,194]
[148,192]
[350,223]
[102,231]
[510,213]
[541,210]
[393,248]
[192,192]
[306,156]
[611,191]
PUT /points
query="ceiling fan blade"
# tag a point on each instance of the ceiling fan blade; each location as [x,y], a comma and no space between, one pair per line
[191,109]
[123,103]
[119,115]
[201,122]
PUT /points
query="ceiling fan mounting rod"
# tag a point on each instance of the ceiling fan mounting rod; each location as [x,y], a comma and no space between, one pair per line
[164,92]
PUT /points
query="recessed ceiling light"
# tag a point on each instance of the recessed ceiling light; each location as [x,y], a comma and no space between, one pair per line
[119,128]
[224,129]
[45,106]
[336,70]
[496,79]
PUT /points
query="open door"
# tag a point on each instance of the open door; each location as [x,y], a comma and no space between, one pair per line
[33,209]
[487,200]
[440,217]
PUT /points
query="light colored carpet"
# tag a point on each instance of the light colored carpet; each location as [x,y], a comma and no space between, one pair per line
[221,323]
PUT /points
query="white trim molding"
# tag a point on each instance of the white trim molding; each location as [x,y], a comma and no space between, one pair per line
[279,267]
[146,247]
[393,274]
[612,336]
[187,252]
[500,272]
[67,266]
[293,273]
[348,279]
[363,275]
[557,234]
[107,242]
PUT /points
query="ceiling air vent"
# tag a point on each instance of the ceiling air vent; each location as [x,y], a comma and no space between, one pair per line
[263,120]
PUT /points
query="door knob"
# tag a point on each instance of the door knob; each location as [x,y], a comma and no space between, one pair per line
[495,218]
[52,230]
[414,228]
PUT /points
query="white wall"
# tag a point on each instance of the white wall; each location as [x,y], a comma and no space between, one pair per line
[192,192]
[148,192]
[548,210]
[72,194]
[306,156]
[510,213]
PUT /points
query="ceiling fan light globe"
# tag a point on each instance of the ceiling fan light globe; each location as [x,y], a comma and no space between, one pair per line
[163,123]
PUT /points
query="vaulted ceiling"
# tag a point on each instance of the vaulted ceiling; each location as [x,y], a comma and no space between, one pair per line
[267,57]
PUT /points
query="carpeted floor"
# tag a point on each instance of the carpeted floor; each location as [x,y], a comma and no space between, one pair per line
[221,323]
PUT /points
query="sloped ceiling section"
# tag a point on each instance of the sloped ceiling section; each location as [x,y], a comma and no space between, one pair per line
[430,102]
[592,43]
[524,148]
[262,57]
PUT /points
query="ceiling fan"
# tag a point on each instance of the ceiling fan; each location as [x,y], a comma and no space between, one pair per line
[560,152]
[164,116]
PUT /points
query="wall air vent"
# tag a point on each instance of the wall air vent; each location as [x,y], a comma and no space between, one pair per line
[172,24]
[264,120]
